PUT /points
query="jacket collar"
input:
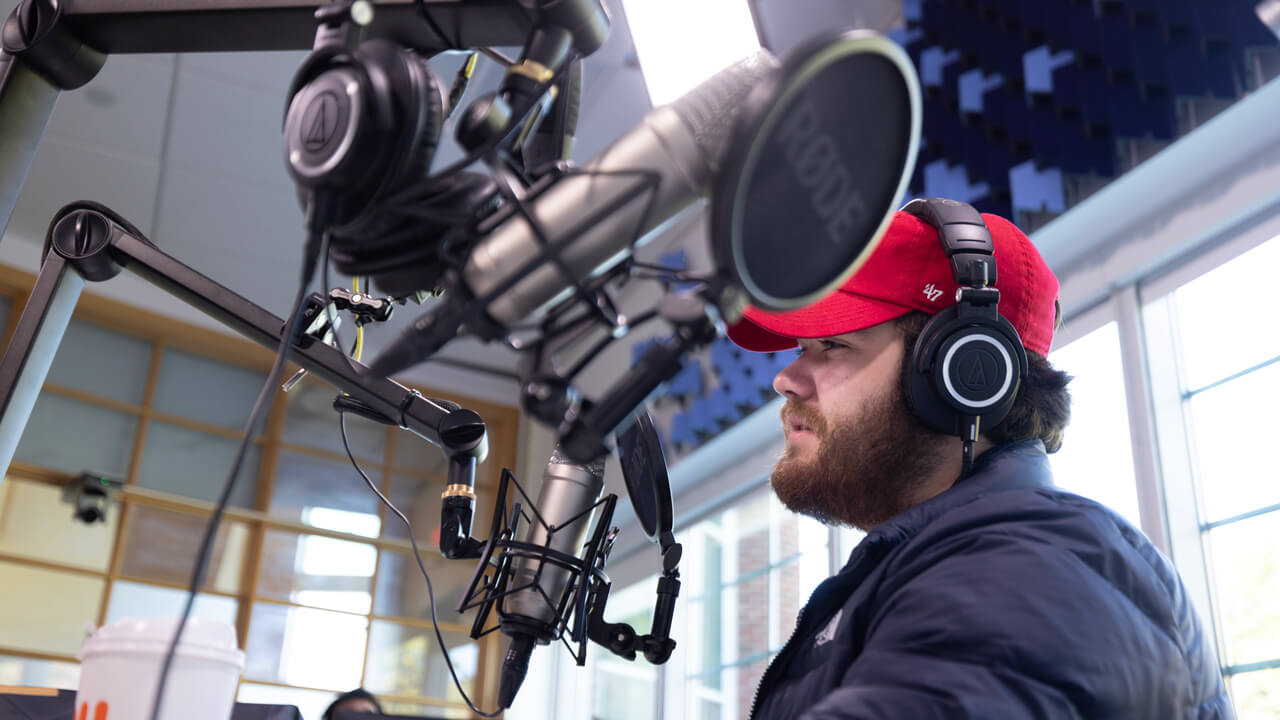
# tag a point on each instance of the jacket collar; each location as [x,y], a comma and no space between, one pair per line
[1018,465]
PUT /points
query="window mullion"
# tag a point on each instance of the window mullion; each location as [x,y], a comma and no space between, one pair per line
[1138,399]
[1173,441]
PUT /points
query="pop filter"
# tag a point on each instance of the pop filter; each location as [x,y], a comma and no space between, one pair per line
[818,160]
[644,470]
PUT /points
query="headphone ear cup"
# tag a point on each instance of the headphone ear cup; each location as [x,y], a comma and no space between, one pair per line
[413,92]
[1006,369]
[919,389]
[418,94]
[961,368]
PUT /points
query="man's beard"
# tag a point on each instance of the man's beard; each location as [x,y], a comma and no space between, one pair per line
[866,468]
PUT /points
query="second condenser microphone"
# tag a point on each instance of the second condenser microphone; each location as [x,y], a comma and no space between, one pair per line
[530,613]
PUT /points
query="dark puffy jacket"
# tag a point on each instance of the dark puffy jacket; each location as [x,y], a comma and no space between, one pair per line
[1002,597]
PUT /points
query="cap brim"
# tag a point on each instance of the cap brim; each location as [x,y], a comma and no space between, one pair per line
[838,313]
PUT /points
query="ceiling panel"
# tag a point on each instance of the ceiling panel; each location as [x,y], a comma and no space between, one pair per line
[267,71]
[64,172]
[226,128]
[122,111]
[244,236]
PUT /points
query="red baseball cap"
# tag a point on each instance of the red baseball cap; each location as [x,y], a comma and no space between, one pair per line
[908,271]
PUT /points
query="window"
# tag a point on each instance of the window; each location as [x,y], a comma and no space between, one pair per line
[1096,458]
[1226,362]
[624,689]
[747,572]
[319,581]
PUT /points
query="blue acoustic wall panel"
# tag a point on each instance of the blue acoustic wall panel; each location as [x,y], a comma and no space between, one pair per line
[1070,86]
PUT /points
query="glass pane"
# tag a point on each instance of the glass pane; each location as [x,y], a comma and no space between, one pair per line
[305,484]
[102,362]
[311,420]
[747,679]
[206,390]
[317,571]
[1246,567]
[403,593]
[36,522]
[406,660]
[795,582]
[1098,436]
[624,690]
[1217,342]
[196,464]
[848,539]
[419,499]
[161,545]
[1234,439]
[417,455]
[139,601]
[305,646]
[751,622]
[55,608]
[1257,695]
[25,672]
[311,703]
[72,436]
[750,530]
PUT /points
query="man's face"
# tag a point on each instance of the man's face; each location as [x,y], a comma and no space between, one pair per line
[854,454]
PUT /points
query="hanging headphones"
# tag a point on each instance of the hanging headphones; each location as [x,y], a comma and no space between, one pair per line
[968,362]
[360,124]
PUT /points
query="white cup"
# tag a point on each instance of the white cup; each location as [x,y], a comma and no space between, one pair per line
[120,667]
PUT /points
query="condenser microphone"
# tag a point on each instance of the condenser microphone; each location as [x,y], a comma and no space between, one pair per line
[804,163]
[593,216]
[530,613]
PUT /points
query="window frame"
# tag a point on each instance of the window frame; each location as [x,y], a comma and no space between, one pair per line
[164,333]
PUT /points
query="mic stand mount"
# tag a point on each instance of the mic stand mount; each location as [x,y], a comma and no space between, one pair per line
[584,425]
[579,609]
[620,638]
[89,242]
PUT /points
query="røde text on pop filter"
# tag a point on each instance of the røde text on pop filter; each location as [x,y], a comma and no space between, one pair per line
[819,159]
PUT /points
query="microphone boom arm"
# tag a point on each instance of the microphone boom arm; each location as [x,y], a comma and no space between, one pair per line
[89,242]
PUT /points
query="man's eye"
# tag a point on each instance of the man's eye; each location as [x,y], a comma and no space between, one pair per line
[823,345]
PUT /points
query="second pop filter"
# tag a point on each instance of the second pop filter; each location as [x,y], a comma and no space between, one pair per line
[817,162]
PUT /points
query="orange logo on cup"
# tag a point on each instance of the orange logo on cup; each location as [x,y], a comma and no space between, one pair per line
[99,711]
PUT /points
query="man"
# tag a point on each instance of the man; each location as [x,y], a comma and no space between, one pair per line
[979,594]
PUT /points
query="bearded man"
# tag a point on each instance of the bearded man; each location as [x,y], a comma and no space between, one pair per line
[980,590]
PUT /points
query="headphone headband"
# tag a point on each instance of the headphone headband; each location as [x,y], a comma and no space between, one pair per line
[964,237]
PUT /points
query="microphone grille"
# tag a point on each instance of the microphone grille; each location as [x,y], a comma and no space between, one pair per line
[711,108]
[595,467]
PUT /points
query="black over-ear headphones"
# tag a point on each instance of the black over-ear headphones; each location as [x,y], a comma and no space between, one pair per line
[361,126]
[968,362]
[360,123]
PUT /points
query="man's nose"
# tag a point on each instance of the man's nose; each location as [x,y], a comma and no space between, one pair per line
[792,382]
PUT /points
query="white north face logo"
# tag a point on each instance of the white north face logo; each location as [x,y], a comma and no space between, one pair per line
[932,292]
[829,632]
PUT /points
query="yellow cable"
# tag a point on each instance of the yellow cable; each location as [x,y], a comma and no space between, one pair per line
[470,65]
[355,287]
